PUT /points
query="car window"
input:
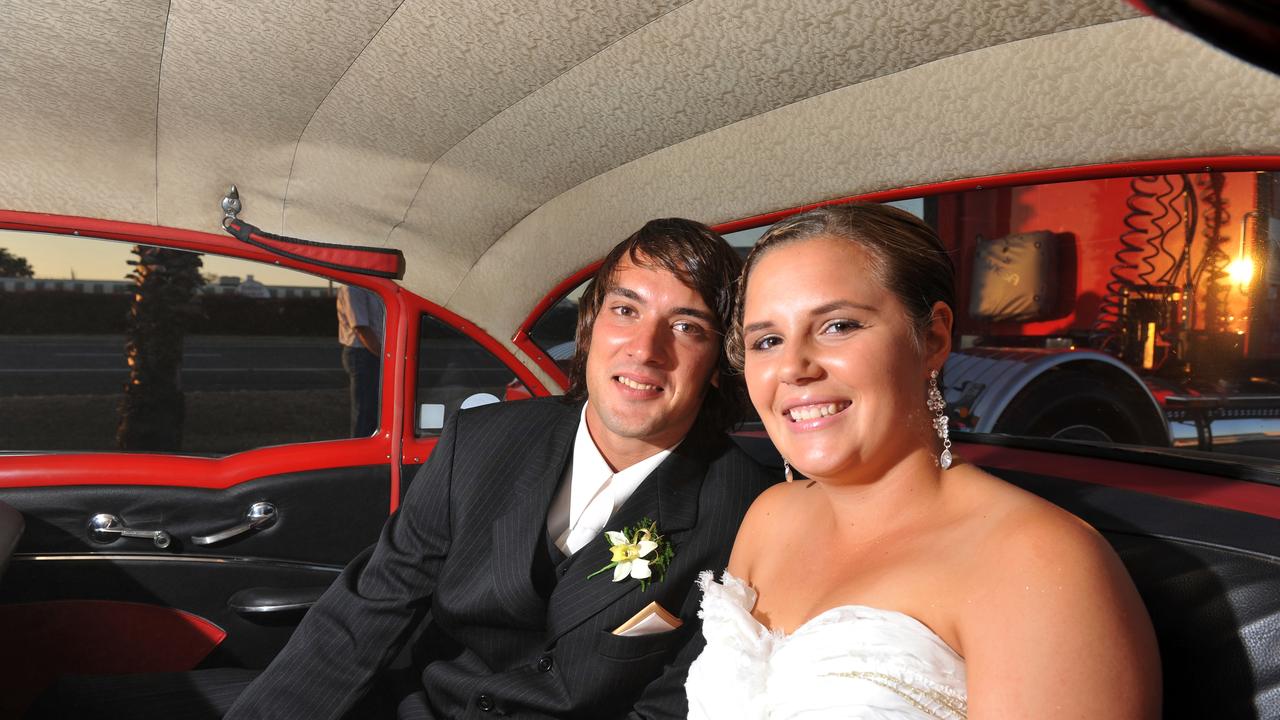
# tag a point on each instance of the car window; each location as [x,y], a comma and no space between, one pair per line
[108,346]
[1137,310]
[1129,311]
[1133,310]
[456,372]
[554,330]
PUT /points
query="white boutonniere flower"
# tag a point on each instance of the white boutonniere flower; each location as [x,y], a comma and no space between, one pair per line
[637,553]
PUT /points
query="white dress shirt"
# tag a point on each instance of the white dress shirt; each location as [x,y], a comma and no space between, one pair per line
[590,492]
[358,307]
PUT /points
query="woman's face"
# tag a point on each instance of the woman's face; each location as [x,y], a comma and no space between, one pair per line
[831,363]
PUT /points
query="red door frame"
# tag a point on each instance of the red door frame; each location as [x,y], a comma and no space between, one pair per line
[394,439]
[411,449]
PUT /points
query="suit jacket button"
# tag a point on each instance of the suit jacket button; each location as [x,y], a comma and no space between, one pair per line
[545,663]
[485,703]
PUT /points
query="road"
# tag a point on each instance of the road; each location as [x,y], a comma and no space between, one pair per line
[96,365]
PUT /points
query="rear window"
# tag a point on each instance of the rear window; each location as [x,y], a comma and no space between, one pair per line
[1128,311]
[1138,310]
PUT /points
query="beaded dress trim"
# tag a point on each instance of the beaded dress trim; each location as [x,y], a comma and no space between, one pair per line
[937,701]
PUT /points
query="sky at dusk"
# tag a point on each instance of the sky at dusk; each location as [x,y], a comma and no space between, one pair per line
[59,257]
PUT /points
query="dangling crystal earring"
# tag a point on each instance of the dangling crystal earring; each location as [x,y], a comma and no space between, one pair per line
[786,471]
[937,405]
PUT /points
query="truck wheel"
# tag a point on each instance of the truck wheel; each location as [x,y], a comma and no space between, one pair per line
[1076,405]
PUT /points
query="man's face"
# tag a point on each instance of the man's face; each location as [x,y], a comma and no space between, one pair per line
[653,352]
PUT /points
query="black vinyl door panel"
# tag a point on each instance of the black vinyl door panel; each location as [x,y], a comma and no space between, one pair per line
[323,519]
[322,516]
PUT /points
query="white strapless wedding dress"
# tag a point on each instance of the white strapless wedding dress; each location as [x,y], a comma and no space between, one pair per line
[851,661]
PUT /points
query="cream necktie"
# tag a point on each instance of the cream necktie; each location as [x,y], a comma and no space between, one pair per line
[590,524]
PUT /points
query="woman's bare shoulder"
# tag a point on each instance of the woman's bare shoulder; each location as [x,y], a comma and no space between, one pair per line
[1014,525]
[1047,600]
[769,516]
[780,499]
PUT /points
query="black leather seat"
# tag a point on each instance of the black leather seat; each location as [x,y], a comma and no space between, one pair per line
[11,527]
[1211,581]
[1216,612]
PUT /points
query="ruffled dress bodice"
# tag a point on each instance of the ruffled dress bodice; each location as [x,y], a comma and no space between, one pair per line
[851,661]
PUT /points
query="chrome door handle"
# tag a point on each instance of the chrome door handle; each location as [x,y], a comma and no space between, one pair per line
[105,528]
[260,515]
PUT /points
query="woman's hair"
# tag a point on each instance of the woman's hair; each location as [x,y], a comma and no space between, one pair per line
[906,257]
[704,262]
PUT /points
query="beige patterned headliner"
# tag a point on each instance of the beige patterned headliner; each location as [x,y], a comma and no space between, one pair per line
[503,145]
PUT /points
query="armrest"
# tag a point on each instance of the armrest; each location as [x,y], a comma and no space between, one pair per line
[272,600]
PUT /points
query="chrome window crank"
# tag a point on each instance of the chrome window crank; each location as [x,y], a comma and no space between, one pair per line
[105,528]
[260,515]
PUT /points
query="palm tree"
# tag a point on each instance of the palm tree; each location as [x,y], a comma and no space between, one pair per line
[14,266]
[164,299]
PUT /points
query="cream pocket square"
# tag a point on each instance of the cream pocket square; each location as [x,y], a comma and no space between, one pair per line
[653,619]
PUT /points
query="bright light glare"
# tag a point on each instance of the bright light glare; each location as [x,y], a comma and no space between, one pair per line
[1240,271]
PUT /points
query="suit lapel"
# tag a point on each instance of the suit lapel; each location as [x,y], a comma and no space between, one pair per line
[519,530]
[669,497]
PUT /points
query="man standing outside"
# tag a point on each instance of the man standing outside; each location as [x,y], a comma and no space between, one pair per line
[360,333]
[498,543]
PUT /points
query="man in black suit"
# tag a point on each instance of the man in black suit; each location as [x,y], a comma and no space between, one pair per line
[491,554]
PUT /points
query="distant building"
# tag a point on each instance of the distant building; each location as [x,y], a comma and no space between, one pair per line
[252,288]
[90,287]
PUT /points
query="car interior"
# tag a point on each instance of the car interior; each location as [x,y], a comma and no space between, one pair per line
[471,163]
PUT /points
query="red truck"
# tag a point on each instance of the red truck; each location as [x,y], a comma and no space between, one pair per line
[1140,310]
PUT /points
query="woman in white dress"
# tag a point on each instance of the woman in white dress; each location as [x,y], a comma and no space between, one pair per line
[893,580]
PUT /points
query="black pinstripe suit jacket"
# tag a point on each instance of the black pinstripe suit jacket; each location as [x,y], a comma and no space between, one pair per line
[459,553]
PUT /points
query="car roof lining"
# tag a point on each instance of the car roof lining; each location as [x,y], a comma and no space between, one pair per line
[809,146]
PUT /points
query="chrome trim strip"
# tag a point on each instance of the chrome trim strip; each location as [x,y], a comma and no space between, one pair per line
[283,607]
[142,557]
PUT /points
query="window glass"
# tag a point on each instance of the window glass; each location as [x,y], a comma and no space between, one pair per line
[107,346]
[554,331]
[1139,310]
[456,372]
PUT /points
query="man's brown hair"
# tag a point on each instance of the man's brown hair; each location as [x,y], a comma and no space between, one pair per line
[703,261]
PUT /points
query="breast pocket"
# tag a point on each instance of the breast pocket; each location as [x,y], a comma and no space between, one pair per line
[621,647]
